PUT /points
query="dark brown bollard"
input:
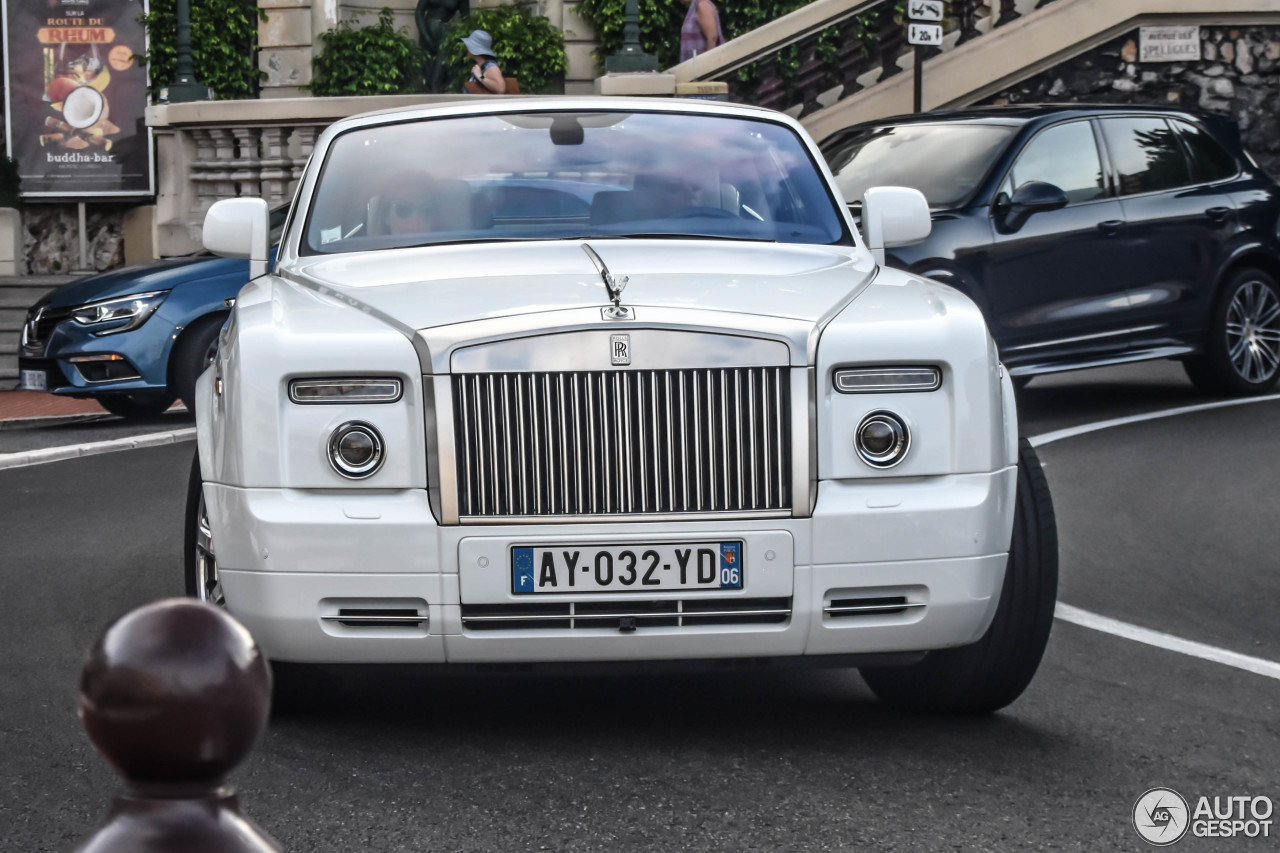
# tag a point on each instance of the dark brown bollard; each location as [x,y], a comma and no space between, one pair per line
[174,695]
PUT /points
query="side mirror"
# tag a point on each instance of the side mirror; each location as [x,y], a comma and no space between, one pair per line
[894,216]
[238,228]
[1032,197]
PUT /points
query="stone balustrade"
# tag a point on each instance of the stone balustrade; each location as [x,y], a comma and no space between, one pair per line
[212,150]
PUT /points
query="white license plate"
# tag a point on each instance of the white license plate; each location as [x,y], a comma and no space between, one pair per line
[626,568]
[33,380]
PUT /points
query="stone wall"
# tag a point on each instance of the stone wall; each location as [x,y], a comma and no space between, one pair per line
[51,237]
[1238,75]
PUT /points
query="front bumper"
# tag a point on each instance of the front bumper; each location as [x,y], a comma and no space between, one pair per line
[927,555]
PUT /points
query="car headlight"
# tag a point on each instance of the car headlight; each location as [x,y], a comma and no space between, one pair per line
[121,314]
[356,450]
[345,390]
[882,439]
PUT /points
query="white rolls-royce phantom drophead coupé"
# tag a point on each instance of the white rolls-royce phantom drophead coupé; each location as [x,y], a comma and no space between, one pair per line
[591,380]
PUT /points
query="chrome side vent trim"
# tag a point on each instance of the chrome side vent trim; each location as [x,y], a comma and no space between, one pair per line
[343,616]
[626,616]
[609,443]
[884,605]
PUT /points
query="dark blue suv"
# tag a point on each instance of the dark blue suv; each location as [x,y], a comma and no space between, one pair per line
[134,339]
[1091,235]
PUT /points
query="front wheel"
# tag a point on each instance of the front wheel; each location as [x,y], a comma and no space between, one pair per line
[202,579]
[991,673]
[135,406]
[1242,355]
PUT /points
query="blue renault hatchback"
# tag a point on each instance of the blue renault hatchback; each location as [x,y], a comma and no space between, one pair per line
[134,339]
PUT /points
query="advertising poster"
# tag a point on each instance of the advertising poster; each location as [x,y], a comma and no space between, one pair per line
[75,97]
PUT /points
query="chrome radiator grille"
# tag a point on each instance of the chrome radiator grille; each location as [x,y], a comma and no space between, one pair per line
[623,442]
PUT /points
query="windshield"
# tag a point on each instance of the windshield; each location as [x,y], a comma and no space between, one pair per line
[545,175]
[943,161]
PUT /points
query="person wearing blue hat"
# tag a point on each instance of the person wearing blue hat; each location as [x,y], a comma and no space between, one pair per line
[486,77]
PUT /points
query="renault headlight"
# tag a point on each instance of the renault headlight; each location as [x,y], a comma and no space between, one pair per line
[121,314]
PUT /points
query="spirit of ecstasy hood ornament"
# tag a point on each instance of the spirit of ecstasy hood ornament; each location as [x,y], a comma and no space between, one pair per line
[615,284]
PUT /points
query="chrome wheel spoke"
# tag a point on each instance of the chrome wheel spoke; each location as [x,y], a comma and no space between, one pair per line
[1266,357]
[1269,314]
[208,584]
[1246,364]
[1237,348]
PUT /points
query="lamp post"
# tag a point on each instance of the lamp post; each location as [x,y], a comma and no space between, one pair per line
[632,56]
[185,87]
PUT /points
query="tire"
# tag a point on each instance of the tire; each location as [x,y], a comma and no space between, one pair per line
[194,352]
[1020,382]
[136,406]
[991,673]
[1242,354]
[200,562]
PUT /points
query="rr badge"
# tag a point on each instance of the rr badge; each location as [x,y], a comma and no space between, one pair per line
[620,349]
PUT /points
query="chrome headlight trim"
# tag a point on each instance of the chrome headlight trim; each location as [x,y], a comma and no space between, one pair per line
[131,311]
[350,470]
[342,389]
[899,435]
[875,380]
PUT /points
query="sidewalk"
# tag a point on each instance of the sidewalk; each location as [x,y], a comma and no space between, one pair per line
[19,408]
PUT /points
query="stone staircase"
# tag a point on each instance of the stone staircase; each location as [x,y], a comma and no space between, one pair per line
[17,294]
[834,63]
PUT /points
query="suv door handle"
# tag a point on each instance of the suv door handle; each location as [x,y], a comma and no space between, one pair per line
[1218,214]
[1111,227]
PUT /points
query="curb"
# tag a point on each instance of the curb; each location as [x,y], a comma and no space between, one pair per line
[56,454]
[52,420]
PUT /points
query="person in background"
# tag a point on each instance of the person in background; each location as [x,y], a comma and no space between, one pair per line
[701,29]
[486,76]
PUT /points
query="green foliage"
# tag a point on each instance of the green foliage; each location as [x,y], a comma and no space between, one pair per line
[376,60]
[659,26]
[528,47]
[660,22]
[224,45]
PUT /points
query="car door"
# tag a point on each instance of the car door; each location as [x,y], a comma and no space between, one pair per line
[1177,221]
[1055,285]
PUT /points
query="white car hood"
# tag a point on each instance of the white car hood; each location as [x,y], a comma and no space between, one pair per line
[443,285]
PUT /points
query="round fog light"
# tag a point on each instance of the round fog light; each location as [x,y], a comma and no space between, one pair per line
[882,439]
[355,450]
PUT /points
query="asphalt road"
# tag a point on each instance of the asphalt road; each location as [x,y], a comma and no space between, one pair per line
[1168,524]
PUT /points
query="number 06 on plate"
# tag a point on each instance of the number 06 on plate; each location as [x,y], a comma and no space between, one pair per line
[655,567]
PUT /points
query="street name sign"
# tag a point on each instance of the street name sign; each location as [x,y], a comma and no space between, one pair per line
[1169,44]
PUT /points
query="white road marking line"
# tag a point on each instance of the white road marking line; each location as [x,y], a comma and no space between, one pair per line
[24,458]
[1128,631]
[1159,639]
[1071,432]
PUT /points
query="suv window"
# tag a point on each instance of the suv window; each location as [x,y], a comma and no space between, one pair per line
[1145,154]
[1209,160]
[1065,155]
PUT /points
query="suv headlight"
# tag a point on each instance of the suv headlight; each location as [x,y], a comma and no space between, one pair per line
[121,314]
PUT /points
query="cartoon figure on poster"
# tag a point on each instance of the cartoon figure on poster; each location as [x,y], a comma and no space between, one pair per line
[76,84]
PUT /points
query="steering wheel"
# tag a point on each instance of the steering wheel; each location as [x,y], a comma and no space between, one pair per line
[702,212]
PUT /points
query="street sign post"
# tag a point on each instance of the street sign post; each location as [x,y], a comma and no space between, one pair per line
[922,36]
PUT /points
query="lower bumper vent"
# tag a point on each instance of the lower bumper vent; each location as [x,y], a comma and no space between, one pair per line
[626,616]
[342,616]
[884,605]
